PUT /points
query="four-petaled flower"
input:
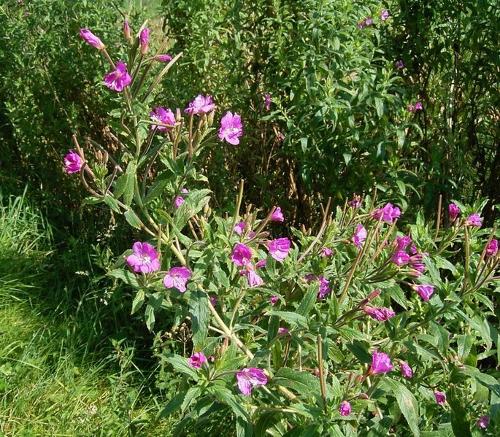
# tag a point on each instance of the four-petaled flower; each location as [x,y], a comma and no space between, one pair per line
[387,214]
[483,422]
[197,360]
[164,116]
[177,277]
[273,300]
[324,287]
[240,227]
[453,211]
[200,105]
[178,201]
[277,215]
[474,220]
[118,79]
[359,236]
[440,397]
[241,254]
[249,378]
[406,370]
[345,408]
[492,248]
[144,258]
[73,163]
[400,258]
[231,128]
[254,280]
[326,252]
[279,248]
[425,291]
[384,15]
[400,64]
[91,39]
[381,363]
[381,314]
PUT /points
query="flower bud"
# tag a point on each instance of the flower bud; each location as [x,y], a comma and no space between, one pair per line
[126,31]
[144,40]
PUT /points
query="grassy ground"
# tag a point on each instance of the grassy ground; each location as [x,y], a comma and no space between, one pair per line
[60,375]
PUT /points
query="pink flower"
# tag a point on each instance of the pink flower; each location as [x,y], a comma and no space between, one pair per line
[400,64]
[406,370]
[418,106]
[400,258]
[483,422]
[326,252]
[381,314]
[177,277]
[200,105]
[144,40]
[368,21]
[279,248]
[178,201]
[324,287]
[261,263]
[273,300]
[359,236]
[213,300]
[355,202]
[241,255]
[387,214]
[163,58]
[384,15]
[440,397]
[164,116]
[277,215]
[239,228]
[283,331]
[381,363]
[492,248]
[267,101]
[474,220]
[231,128]
[73,163]
[425,291]
[411,107]
[91,39]
[453,211]
[197,360]
[345,408]
[144,258]
[250,378]
[254,280]
[403,242]
[118,79]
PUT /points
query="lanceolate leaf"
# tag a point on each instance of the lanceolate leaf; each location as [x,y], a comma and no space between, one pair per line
[406,401]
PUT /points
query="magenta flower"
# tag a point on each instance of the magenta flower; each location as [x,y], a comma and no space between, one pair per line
[267,101]
[483,422]
[425,291]
[355,202]
[492,248]
[261,263]
[200,105]
[254,280]
[163,58]
[453,211]
[400,258]
[73,163]
[144,258]
[164,116]
[277,215]
[273,300]
[324,287]
[406,370]
[326,252]
[231,128]
[359,236]
[388,214]
[126,30]
[197,360]
[384,15]
[213,300]
[419,106]
[241,255]
[403,242]
[381,314]
[239,228]
[283,331]
[178,201]
[118,79]
[345,408]
[279,248]
[381,363]
[144,40]
[368,21]
[400,64]
[440,397]
[177,277]
[91,39]
[416,263]
[250,378]
[474,220]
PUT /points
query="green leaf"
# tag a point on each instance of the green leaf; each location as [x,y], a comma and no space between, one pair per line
[132,219]
[150,317]
[379,105]
[126,276]
[198,307]
[302,382]
[194,203]
[138,301]
[191,394]
[461,428]
[406,401]
[228,398]
[308,301]
[173,405]
[112,203]
[180,364]
[290,317]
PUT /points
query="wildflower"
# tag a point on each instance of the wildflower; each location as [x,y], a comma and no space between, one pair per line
[273,300]
[345,408]
[283,331]
[277,215]
[355,202]
[384,15]
[178,201]
[177,277]
[425,291]
[418,106]
[453,211]
[440,397]
[399,64]
[91,39]
[197,360]
[483,422]
[381,363]
[118,79]
[184,190]
[406,370]
[249,378]
[381,314]
[200,105]
[213,300]
[239,228]
[279,248]
[492,248]
[144,40]
[254,280]
[144,258]
[400,258]
[73,163]
[403,242]
[126,30]
[261,263]
[241,255]
[359,236]
[231,128]
[326,252]
[416,264]
[164,116]
[324,287]
[388,214]
[411,107]
[267,101]
[474,220]
[163,58]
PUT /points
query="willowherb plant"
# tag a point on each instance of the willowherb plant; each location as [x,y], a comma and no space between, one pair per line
[361,326]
